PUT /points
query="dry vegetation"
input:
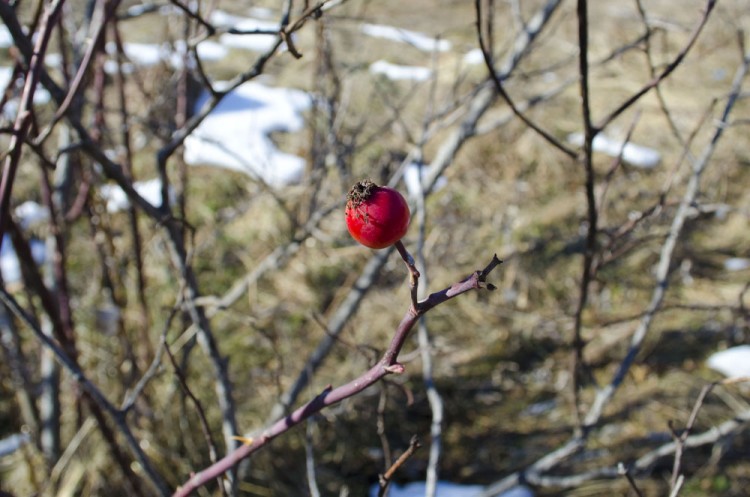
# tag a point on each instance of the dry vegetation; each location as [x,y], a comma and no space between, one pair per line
[502,361]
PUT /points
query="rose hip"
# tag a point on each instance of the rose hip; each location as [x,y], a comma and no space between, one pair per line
[376,216]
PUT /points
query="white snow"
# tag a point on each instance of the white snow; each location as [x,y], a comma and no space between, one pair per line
[117,200]
[142,54]
[736,264]
[417,40]
[30,213]
[41,96]
[137,10]
[414,175]
[9,445]
[399,73]
[235,135]
[151,54]
[474,56]
[9,265]
[255,42]
[635,155]
[262,13]
[223,19]
[207,50]
[447,489]
[732,363]
[6,40]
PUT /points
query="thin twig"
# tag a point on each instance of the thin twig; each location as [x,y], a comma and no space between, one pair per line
[312,482]
[664,74]
[496,79]
[534,473]
[625,472]
[23,118]
[680,438]
[97,396]
[385,479]
[212,452]
[413,272]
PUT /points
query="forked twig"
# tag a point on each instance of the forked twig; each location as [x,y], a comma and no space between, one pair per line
[535,472]
[681,437]
[388,364]
[485,43]
[413,272]
[625,471]
[97,396]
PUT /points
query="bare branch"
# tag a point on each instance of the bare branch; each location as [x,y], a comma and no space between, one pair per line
[664,74]
[23,118]
[385,478]
[388,364]
[98,397]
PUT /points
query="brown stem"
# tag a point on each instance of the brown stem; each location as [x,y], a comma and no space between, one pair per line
[385,479]
[98,401]
[590,183]
[485,44]
[666,72]
[413,272]
[23,118]
[212,452]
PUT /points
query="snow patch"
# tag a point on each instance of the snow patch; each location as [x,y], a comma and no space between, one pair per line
[9,111]
[30,213]
[736,264]
[6,40]
[9,445]
[417,40]
[414,175]
[235,135]
[9,265]
[635,155]
[151,54]
[474,57]
[118,201]
[447,489]
[732,363]
[399,73]
[256,42]
[207,50]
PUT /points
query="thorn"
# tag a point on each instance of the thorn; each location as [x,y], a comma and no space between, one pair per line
[244,440]
[325,391]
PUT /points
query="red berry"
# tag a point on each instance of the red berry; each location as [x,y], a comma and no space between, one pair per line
[376,216]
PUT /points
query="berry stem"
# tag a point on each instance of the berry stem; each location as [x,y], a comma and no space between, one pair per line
[413,273]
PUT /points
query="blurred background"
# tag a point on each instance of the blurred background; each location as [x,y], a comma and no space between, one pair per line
[174,226]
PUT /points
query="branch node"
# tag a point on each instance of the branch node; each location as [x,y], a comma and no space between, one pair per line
[396,368]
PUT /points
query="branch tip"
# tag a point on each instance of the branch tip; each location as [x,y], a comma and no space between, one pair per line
[492,265]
